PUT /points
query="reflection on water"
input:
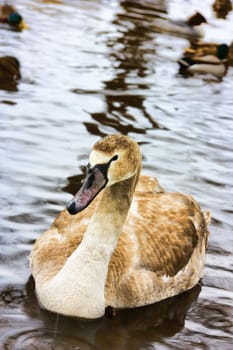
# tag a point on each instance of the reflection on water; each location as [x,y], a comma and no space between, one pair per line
[131,52]
[88,69]
[129,329]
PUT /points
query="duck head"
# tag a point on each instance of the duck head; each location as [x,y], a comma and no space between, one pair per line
[196,19]
[16,20]
[222,51]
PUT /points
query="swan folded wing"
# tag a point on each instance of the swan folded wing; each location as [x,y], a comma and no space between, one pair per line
[148,184]
[160,236]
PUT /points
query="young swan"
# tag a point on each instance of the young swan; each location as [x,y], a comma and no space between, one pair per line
[130,246]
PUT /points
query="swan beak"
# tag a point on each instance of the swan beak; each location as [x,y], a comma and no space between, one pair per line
[95,181]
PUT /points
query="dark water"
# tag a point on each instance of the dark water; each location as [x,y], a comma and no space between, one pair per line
[90,68]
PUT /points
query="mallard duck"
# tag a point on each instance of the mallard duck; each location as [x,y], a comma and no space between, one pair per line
[122,242]
[222,8]
[9,72]
[215,64]
[8,14]
[200,48]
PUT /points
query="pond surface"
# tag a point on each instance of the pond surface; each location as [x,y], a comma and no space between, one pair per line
[90,68]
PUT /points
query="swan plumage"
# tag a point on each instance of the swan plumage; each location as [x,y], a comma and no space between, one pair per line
[128,243]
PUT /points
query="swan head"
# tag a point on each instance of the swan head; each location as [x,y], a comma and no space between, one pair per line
[113,159]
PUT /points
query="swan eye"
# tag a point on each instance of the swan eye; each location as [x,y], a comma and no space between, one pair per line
[114,157]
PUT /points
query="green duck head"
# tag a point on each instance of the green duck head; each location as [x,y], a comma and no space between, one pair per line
[14,19]
[222,51]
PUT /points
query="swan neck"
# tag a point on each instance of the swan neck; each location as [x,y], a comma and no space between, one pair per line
[108,219]
[82,279]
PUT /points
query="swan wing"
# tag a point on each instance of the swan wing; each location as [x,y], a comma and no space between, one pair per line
[160,252]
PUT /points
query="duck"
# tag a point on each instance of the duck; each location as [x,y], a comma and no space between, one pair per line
[214,64]
[222,8]
[121,242]
[9,15]
[190,28]
[201,48]
[9,72]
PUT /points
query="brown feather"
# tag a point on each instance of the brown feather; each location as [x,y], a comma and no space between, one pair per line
[162,234]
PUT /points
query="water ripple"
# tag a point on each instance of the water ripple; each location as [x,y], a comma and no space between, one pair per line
[90,68]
